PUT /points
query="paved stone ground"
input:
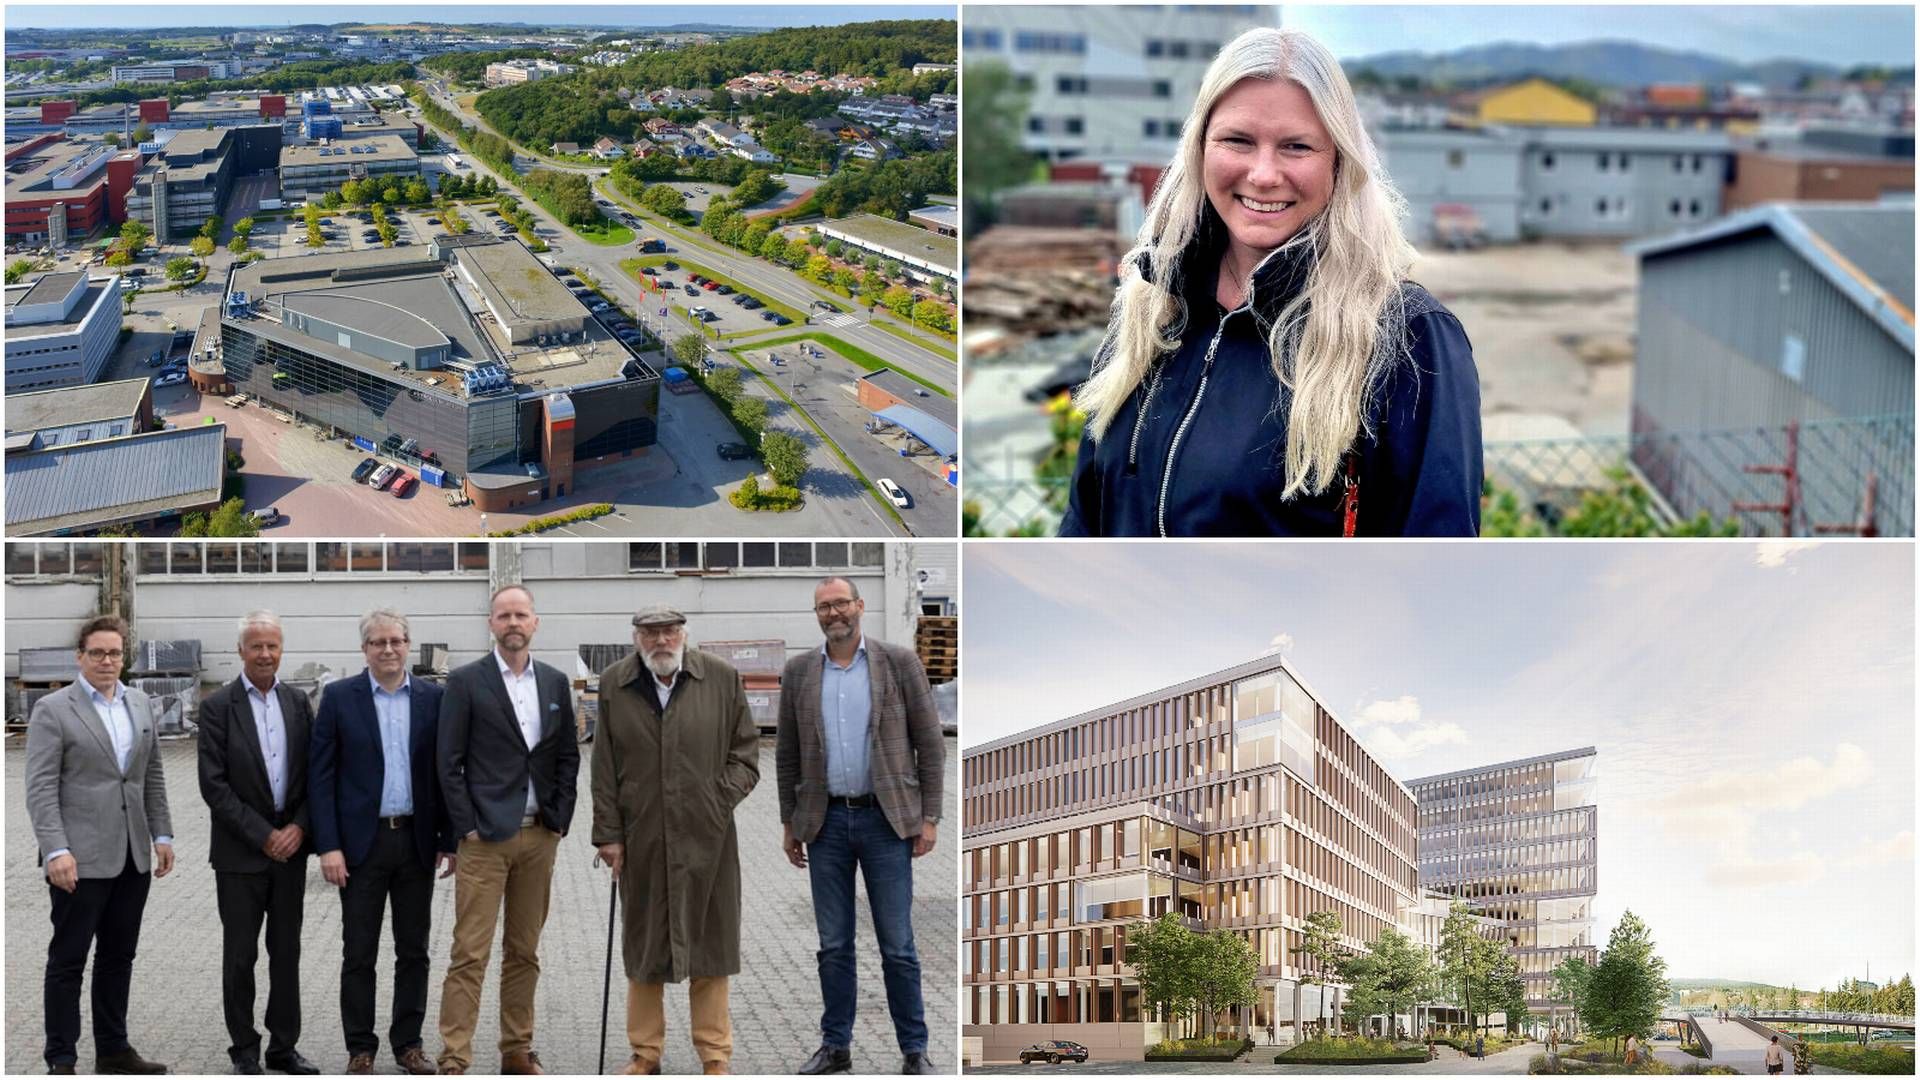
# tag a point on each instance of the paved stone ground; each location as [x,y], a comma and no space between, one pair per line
[1509,1061]
[176,1016]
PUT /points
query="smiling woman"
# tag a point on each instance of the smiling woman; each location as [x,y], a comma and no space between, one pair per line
[1268,361]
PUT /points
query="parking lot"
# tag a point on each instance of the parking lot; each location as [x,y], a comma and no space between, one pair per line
[174,1017]
[686,297]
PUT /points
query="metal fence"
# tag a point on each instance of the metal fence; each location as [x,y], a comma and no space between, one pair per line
[1820,477]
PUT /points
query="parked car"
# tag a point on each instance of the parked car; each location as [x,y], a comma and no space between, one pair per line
[156,358]
[751,304]
[733,451]
[779,319]
[265,516]
[364,469]
[693,290]
[403,484]
[723,289]
[383,476]
[649,271]
[433,221]
[1053,1052]
[710,286]
[697,279]
[669,265]
[171,378]
[893,493]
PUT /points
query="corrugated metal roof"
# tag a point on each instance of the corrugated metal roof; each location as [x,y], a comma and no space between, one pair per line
[1865,250]
[95,483]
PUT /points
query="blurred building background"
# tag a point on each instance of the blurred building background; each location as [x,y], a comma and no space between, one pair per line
[1560,196]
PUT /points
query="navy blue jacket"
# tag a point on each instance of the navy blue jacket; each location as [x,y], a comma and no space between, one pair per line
[347,767]
[1419,474]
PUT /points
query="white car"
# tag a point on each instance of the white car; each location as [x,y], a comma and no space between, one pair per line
[171,378]
[893,493]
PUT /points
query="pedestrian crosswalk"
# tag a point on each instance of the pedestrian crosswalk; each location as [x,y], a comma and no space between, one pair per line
[836,319]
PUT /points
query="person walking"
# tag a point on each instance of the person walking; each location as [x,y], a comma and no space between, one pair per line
[1480,1046]
[509,767]
[675,754]
[1633,1051]
[97,799]
[1776,1059]
[253,741]
[860,770]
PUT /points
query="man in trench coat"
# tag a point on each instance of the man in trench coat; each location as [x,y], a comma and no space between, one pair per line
[675,751]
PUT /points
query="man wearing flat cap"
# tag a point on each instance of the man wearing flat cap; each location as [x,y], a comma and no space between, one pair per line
[674,753]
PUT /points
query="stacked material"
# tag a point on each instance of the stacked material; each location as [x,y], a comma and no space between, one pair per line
[1041,281]
[937,640]
[759,664]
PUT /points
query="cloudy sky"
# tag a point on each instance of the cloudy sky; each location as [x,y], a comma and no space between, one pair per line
[250,14]
[1752,704]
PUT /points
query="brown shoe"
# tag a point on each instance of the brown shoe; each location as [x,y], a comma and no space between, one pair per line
[360,1065]
[414,1061]
[449,1069]
[714,1068]
[521,1063]
[639,1066]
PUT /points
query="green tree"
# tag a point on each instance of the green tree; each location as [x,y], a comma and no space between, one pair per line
[228,519]
[835,247]
[819,268]
[1507,989]
[142,133]
[899,300]
[134,235]
[1391,977]
[786,458]
[119,257]
[1162,955]
[1629,985]
[724,383]
[238,245]
[1570,986]
[18,269]
[1319,951]
[774,247]
[181,268]
[751,413]
[112,139]
[1465,959]
[932,315]
[664,201]
[243,227]
[689,349]
[993,111]
[846,279]
[201,246]
[1225,968]
[416,191]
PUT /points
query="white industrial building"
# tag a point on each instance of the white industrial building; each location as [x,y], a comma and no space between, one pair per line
[60,330]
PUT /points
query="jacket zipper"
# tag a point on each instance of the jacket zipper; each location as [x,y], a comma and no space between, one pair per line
[1173,448]
[1140,421]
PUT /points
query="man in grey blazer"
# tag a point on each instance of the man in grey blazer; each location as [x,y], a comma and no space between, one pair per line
[98,803]
[860,768]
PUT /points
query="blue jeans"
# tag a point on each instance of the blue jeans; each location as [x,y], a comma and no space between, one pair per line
[863,838]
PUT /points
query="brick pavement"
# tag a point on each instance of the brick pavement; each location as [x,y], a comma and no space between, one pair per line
[176,1015]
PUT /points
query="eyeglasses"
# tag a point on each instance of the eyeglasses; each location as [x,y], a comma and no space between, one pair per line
[387,643]
[834,607]
[661,633]
[97,655]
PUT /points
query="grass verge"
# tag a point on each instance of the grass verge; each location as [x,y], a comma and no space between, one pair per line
[860,357]
[605,234]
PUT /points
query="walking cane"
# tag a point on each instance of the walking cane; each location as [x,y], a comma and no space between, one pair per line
[606,982]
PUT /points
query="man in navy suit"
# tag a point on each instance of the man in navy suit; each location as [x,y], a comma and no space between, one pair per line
[379,823]
[509,767]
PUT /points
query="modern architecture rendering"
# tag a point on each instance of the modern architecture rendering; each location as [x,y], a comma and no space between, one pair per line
[468,358]
[1516,842]
[1235,800]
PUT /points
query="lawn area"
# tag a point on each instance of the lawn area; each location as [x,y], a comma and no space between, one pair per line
[855,353]
[633,266]
[1876,1060]
[606,233]
[1351,1051]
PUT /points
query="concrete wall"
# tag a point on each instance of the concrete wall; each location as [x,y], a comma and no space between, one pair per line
[1481,173]
[1104,1042]
[1565,188]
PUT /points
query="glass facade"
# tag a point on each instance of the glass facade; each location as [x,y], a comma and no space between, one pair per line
[1516,842]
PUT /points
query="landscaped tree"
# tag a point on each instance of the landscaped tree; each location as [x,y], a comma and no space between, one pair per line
[142,133]
[314,238]
[786,458]
[1162,955]
[238,245]
[751,413]
[774,247]
[18,269]
[243,227]
[664,201]
[1629,985]
[211,227]
[180,268]
[201,246]
[1395,974]
[689,349]
[1320,951]
[1570,986]
[724,383]
[416,191]
[1224,971]
[1507,990]
[134,235]
[1465,959]
[898,300]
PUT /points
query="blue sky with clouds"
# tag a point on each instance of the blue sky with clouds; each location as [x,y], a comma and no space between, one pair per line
[1752,705]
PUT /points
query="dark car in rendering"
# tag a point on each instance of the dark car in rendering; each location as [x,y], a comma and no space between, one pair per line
[1053,1052]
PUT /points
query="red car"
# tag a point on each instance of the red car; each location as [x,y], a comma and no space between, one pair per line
[710,285]
[403,485]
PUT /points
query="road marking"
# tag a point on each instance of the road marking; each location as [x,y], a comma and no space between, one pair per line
[841,320]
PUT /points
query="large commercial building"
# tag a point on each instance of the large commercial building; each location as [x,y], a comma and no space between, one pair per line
[923,254]
[170,71]
[1516,842]
[60,330]
[312,171]
[1235,801]
[469,357]
[60,192]
[1107,81]
[511,72]
[188,179]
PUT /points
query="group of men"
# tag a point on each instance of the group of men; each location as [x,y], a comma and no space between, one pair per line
[394,777]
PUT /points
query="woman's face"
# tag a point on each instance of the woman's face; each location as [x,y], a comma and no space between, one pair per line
[1267,164]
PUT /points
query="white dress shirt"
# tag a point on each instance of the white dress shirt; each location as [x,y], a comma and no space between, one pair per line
[524,691]
[271,727]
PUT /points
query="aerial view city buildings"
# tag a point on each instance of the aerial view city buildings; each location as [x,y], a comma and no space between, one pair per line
[667,276]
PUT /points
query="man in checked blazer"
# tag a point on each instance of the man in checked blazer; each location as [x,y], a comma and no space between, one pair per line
[860,770]
[508,769]
[98,803]
[253,775]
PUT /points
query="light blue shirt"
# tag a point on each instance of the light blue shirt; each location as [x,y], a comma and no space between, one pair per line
[846,707]
[119,723]
[271,727]
[395,712]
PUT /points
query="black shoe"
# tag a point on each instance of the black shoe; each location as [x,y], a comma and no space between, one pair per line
[128,1062]
[828,1059]
[64,1068]
[292,1063]
[917,1065]
[247,1065]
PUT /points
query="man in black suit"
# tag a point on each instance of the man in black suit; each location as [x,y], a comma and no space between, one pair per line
[253,774]
[379,824]
[508,766]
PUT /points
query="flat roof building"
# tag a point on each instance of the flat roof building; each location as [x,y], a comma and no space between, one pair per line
[60,192]
[127,481]
[1516,842]
[82,413]
[469,352]
[923,255]
[168,71]
[188,180]
[1235,801]
[312,171]
[61,330]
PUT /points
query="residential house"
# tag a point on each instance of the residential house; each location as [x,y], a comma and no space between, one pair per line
[874,150]
[562,149]
[644,148]
[660,125]
[607,150]
[755,153]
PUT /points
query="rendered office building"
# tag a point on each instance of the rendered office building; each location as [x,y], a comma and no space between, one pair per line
[1515,842]
[1235,800]
[467,359]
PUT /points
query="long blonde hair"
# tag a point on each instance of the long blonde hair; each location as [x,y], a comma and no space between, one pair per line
[1335,342]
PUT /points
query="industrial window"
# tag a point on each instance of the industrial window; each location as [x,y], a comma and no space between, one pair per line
[1673,208]
[1693,208]
[1793,358]
[1150,128]
[1456,158]
[1070,84]
[1626,162]
[1697,162]
[20,559]
[1037,125]
[1162,88]
[1075,126]
[1546,161]
[757,554]
[1156,47]
[1603,161]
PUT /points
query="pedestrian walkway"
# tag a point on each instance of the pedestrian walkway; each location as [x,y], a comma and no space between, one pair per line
[1737,1045]
[1512,1061]
[835,319]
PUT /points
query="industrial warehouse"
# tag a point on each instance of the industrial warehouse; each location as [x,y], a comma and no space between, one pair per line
[470,361]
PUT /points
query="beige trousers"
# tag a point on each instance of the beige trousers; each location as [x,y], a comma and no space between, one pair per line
[519,873]
[712,1024]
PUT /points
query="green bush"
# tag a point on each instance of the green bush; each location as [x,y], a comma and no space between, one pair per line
[751,496]
[1356,1050]
[585,513]
[1875,1060]
[1198,1049]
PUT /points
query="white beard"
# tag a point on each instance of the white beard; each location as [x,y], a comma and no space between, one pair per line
[666,667]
